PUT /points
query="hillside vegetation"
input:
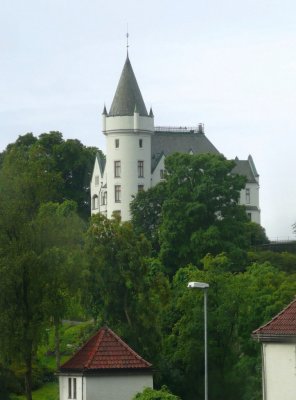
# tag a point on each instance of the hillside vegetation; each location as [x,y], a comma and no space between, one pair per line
[58,265]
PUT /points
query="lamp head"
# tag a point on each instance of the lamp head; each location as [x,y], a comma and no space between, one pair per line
[198,285]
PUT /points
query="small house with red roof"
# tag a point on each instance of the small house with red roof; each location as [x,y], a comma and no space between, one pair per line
[278,338]
[105,368]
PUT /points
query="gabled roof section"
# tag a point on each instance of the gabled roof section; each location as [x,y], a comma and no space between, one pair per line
[281,327]
[105,351]
[155,160]
[246,168]
[128,96]
[102,163]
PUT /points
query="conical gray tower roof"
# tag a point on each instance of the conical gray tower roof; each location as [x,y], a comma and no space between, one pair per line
[127,96]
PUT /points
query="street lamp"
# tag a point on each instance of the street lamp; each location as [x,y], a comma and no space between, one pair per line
[203,286]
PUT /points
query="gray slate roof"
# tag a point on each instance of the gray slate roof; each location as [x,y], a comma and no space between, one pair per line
[127,97]
[102,163]
[171,142]
[246,168]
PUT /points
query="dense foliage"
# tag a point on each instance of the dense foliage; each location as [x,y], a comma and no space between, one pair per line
[55,265]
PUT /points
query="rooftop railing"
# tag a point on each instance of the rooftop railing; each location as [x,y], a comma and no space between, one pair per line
[181,129]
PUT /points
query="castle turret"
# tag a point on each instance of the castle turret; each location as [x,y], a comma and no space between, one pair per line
[128,129]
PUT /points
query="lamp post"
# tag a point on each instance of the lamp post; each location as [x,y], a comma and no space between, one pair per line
[203,286]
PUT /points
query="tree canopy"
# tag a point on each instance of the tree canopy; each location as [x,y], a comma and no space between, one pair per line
[195,211]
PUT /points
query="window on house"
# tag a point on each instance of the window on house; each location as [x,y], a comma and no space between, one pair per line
[249,215]
[117,193]
[104,198]
[116,213]
[140,188]
[97,180]
[140,143]
[248,196]
[161,172]
[116,143]
[72,388]
[95,202]
[141,169]
[117,169]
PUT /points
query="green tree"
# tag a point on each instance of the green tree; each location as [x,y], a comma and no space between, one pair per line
[237,304]
[201,213]
[152,394]
[146,210]
[125,287]
[68,159]
[284,261]
[38,269]
[60,231]
[256,233]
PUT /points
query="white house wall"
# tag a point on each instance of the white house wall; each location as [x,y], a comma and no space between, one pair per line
[116,387]
[254,200]
[63,387]
[123,135]
[127,123]
[279,371]
[96,189]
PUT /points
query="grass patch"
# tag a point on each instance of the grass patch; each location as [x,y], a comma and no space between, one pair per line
[50,391]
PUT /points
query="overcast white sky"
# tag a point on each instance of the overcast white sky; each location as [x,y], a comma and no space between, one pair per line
[230,64]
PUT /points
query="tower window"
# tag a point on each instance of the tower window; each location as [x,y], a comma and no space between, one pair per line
[249,215]
[116,143]
[117,169]
[248,196]
[117,192]
[141,169]
[140,143]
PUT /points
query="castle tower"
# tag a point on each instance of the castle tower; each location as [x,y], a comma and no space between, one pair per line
[128,129]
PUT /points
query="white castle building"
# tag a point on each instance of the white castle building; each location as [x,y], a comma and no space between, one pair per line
[136,151]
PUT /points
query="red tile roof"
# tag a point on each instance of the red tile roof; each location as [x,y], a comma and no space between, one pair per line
[283,325]
[105,351]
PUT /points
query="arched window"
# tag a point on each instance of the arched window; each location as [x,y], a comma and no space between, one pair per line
[95,202]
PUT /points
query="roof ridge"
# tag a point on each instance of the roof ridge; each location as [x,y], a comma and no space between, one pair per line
[95,347]
[80,349]
[256,331]
[127,346]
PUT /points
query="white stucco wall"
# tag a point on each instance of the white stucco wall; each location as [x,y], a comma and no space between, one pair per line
[254,201]
[96,189]
[122,387]
[128,153]
[279,371]
[63,387]
[127,123]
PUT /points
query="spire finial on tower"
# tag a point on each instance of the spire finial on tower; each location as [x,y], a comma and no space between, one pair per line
[127,36]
